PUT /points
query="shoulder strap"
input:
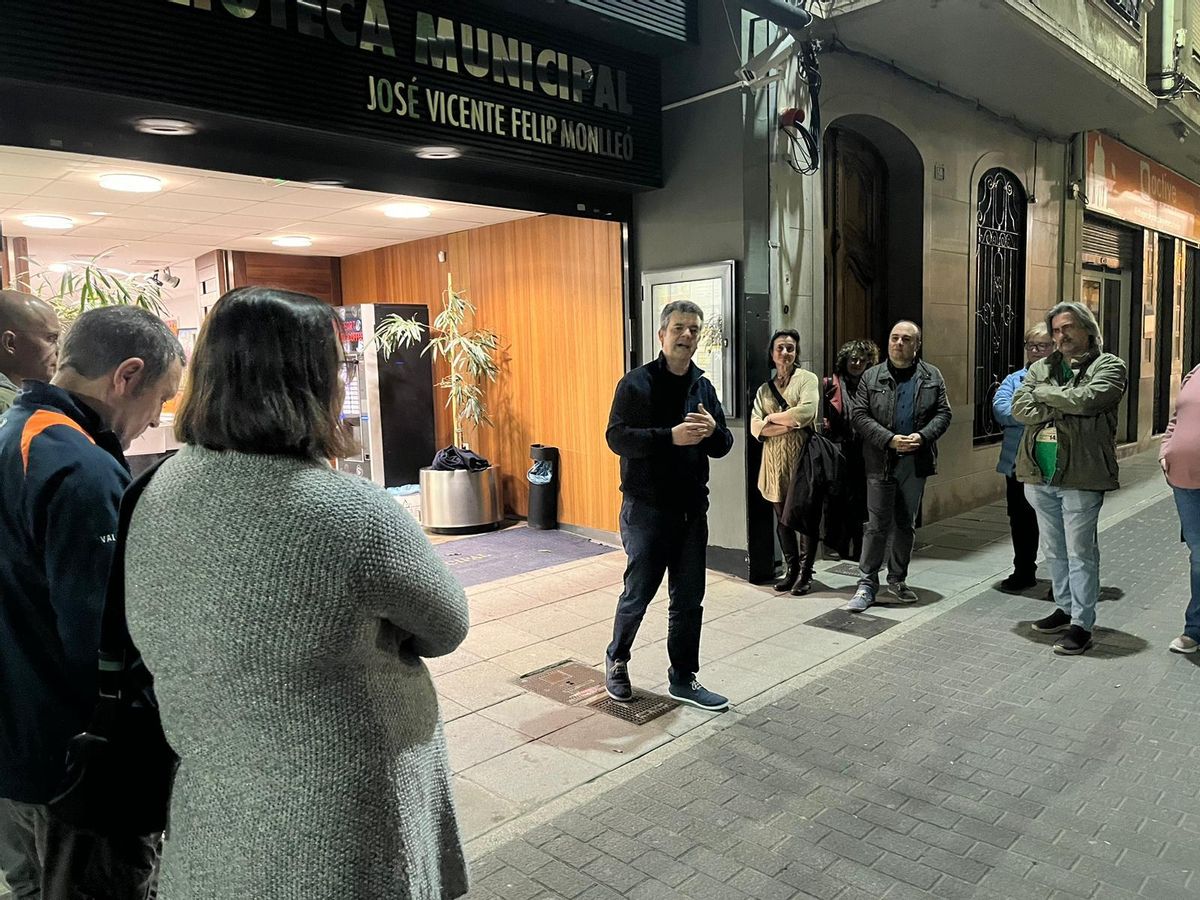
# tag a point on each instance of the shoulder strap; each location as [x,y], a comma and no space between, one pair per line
[114,631]
[783,404]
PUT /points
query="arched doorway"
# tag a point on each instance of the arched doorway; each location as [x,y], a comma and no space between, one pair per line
[874,189]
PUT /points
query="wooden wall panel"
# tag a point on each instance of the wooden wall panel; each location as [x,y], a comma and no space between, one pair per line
[551,288]
[319,276]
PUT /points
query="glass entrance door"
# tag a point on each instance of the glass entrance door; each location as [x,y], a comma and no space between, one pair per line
[1109,296]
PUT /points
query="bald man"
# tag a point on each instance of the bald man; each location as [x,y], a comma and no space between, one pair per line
[28,343]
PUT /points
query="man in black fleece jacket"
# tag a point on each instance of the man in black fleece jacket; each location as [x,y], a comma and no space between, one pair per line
[665,423]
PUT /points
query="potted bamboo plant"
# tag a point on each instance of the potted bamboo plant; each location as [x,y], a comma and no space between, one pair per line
[90,284]
[455,500]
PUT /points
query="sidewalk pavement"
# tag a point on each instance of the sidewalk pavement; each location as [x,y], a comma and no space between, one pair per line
[514,752]
[953,756]
[520,759]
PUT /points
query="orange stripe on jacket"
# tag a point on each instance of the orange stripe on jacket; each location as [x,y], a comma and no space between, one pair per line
[39,422]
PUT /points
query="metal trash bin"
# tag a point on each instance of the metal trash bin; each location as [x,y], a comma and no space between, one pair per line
[543,479]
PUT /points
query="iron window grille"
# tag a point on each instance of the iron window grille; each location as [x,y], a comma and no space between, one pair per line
[999,293]
[1127,10]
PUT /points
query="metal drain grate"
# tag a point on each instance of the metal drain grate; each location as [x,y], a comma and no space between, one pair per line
[857,624]
[642,709]
[575,684]
[849,569]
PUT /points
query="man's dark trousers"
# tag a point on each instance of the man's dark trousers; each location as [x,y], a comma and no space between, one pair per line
[892,506]
[657,542]
[1023,524]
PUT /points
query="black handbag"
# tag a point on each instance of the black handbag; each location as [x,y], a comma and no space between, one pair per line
[121,770]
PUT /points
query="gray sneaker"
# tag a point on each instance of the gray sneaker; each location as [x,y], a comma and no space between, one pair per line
[903,593]
[861,600]
[695,694]
[616,680]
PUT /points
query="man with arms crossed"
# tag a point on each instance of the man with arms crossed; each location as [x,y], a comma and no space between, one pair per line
[1067,460]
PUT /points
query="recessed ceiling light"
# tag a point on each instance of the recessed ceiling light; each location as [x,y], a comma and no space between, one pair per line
[407,211]
[131,184]
[99,213]
[59,268]
[292,240]
[438,153]
[326,184]
[51,223]
[170,127]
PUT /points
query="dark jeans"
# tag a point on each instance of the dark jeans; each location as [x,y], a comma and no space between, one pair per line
[1022,522]
[892,506]
[658,542]
[47,859]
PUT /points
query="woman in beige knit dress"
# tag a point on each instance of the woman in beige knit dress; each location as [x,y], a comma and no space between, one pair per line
[783,408]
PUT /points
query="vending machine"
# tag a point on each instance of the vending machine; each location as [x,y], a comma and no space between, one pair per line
[389,400]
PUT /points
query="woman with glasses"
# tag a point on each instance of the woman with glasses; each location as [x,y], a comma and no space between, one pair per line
[1022,521]
[846,508]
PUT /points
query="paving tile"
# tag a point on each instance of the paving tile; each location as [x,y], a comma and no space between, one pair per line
[929,766]
[535,716]
[532,773]
[472,739]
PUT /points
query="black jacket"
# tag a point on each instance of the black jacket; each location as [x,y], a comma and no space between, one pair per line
[653,469]
[62,474]
[874,416]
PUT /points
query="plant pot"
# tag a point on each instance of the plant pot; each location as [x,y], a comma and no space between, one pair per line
[458,501]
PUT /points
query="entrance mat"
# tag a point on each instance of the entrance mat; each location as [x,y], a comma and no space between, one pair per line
[857,624]
[514,551]
[575,684]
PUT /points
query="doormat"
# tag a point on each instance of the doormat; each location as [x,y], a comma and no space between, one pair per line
[575,684]
[857,624]
[515,551]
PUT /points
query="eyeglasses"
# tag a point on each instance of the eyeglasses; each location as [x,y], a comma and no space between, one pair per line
[1039,346]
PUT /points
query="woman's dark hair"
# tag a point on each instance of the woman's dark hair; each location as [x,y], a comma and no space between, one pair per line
[863,348]
[264,377]
[782,332]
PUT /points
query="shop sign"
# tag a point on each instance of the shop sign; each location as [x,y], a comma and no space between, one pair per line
[1126,185]
[421,73]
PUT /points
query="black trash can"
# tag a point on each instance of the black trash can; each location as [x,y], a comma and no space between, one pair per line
[543,492]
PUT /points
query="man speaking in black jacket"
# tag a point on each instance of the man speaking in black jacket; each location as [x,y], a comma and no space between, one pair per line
[665,423]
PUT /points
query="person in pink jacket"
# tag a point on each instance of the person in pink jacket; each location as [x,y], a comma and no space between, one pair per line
[1180,461]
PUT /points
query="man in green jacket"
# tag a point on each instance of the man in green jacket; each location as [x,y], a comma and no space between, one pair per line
[1067,461]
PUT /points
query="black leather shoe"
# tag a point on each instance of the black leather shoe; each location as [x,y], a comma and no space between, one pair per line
[803,584]
[1015,583]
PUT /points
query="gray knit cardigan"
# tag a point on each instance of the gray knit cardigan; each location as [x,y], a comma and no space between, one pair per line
[284,609]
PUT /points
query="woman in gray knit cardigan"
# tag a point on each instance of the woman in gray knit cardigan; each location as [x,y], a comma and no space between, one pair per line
[284,609]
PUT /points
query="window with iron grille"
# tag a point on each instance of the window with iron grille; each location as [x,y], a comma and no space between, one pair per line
[999,292]
[1129,10]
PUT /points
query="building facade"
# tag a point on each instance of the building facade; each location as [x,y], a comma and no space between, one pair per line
[976,164]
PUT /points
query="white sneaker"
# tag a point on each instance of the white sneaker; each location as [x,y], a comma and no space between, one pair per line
[1183,644]
[860,601]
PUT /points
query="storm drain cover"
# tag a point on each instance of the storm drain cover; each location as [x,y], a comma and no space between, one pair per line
[849,569]
[640,710]
[575,684]
[857,624]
